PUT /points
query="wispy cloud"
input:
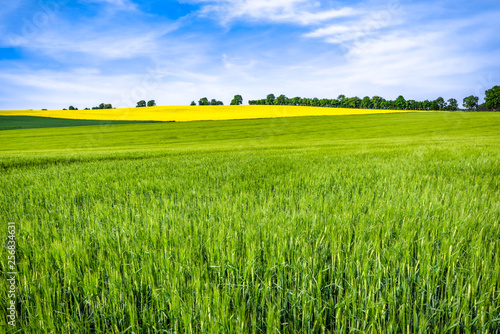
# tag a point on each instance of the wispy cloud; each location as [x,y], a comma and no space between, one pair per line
[337,33]
[108,36]
[122,43]
[301,12]
[371,22]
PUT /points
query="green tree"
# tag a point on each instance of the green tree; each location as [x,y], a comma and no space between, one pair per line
[342,101]
[366,103]
[296,101]
[400,103]
[377,102]
[237,100]
[411,105]
[426,105]
[471,102]
[281,100]
[433,105]
[353,102]
[270,99]
[71,108]
[203,102]
[141,104]
[193,103]
[441,104]
[151,103]
[324,103]
[492,99]
[452,104]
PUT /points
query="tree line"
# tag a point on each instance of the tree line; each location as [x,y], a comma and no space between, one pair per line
[237,100]
[205,102]
[141,103]
[101,106]
[492,102]
[471,103]
[375,102]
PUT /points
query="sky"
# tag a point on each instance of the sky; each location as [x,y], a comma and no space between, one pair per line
[57,53]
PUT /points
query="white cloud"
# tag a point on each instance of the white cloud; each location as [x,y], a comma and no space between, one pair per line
[303,12]
[370,23]
[330,30]
[88,39]
[128,45]
[308,18]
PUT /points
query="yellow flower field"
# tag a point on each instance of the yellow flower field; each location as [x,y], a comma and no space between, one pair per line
[196,113]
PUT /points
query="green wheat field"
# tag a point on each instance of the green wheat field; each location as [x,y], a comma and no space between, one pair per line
[340,224]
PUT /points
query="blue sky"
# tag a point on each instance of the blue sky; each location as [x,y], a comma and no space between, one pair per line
[56,53]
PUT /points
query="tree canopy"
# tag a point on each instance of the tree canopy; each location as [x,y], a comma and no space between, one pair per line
[375,102]
[492,99]
[452,105]
[237,100]
[204,102]
[103,106]
[492,102]
[471,102]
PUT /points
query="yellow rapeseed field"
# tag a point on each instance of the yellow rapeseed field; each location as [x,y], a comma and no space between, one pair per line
[195,113]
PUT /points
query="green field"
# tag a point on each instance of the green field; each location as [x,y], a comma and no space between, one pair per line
[28,122]
[378,224]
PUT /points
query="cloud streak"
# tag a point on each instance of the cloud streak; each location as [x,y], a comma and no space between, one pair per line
[89,42]
[301,12]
